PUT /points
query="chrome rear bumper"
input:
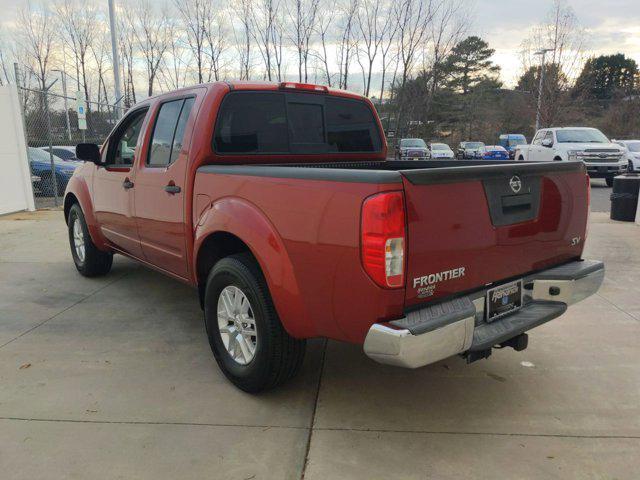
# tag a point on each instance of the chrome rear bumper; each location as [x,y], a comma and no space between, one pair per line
[457,326]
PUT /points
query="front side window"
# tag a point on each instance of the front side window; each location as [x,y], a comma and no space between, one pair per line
[538,138]
[278,122]
[123,144]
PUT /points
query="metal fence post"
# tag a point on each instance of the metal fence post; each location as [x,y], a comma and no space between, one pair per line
[54,180]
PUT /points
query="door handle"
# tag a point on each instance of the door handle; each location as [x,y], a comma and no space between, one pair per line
[127,184]
[172,189]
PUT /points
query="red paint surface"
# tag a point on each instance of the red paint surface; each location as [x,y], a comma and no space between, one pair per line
[306,233]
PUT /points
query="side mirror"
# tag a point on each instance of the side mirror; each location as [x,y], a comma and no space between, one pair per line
[89,152]
[547,142]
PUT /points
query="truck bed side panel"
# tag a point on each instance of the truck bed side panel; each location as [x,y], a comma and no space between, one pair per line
[318,222]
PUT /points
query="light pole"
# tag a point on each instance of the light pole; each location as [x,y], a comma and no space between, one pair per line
[542,52]
[63,75]
[116,61]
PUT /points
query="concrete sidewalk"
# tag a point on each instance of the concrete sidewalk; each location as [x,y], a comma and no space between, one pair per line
[114,378]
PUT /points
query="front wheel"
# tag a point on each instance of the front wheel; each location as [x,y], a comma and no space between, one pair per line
[248,341]
[89,261]
[609,181]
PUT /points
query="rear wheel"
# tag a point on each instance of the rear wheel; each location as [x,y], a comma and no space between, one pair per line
[89,261]
[248,341]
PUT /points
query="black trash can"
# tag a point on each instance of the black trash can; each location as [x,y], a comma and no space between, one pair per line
[624,197]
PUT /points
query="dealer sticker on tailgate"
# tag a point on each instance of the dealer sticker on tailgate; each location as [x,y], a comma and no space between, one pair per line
[504,299]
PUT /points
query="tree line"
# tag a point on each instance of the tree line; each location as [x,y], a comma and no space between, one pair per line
[416,59]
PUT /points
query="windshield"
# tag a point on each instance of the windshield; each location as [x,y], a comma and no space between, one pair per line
[473,145]
[514,142]
[412,143]
[633,146]
[439,146]
[587,135]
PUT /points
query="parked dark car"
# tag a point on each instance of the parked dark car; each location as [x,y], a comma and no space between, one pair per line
[40,163]
[495,152]
[412,149]
[470,150]
[66,153]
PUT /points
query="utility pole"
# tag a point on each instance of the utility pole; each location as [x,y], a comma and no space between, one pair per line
[63,75]
[116,61]
[542,52]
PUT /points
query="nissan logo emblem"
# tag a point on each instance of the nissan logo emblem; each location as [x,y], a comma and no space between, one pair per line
[515,183]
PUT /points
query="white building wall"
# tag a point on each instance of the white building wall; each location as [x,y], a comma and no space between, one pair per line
[16,192]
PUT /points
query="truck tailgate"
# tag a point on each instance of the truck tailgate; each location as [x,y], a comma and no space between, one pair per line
[471,226]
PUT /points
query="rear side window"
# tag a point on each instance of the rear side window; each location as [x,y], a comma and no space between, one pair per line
[351,126]
[168,133]
[252,123]
[278,122]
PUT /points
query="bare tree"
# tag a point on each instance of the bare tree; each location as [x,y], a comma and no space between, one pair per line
[388,53]
[374,21]
[194,14]
[215,34]
[78,20]
[242,39]
[561,33]
[323,28]
[347,43]
[414,17]
[303,18]
[446,29]
[101,50]
[151,31]
[128,53]
[37,42]
[173,72]
[265,31]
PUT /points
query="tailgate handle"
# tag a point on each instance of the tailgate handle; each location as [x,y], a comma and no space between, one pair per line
[516,203]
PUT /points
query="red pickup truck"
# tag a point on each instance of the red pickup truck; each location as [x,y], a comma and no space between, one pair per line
[278,203]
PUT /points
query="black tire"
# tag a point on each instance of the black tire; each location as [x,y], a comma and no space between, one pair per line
[609,181]
[277,356]
[521,158]
[95,262]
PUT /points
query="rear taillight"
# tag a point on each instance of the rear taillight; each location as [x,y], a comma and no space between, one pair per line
[586,228]
[383,239]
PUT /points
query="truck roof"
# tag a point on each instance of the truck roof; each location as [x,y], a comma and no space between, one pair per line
[264,86]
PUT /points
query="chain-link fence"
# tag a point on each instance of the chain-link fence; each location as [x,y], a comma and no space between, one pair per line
[52,130]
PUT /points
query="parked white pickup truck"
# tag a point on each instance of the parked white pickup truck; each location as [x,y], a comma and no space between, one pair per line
[602,158]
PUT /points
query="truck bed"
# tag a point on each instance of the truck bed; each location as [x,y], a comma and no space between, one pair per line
[467,226]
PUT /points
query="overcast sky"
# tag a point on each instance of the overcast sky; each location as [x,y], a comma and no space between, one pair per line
[612,25]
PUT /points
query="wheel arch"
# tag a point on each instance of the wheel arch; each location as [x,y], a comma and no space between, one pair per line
[78,192]
[233,225]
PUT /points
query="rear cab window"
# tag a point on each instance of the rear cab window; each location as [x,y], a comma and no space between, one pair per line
[290,123]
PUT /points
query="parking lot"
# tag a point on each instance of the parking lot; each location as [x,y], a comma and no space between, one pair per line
[114,378]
